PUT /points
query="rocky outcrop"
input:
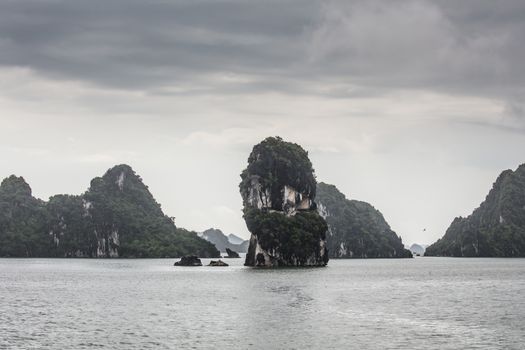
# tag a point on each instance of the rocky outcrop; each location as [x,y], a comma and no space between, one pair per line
[217,263]
[278,188]
[116,217]
[190,260]
[232,254]
[496,228]
[356,229]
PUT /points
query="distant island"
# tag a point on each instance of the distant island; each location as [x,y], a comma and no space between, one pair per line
[418,249]
[116,217]
[495,229]
[223,242]
[356,229]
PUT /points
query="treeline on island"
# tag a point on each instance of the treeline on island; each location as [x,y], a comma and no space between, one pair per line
[116,217]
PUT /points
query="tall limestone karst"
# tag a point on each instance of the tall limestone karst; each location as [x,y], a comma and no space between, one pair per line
[356,229]
[278,190]
[116,217]
[496,228]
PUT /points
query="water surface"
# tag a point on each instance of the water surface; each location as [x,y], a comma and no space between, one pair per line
[426,303]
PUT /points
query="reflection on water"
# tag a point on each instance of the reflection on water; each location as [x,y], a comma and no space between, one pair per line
[430,303]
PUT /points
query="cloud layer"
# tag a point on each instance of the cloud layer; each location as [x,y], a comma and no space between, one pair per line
[333,47]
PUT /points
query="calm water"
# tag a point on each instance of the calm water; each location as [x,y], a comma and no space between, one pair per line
[426,303]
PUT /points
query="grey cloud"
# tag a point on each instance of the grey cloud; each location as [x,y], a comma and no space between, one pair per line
[468,47]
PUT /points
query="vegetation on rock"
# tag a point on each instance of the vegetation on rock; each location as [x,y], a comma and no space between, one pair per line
[22,220]
[356,229]
[278,189]
[296,238]
[496,228]
[116,217]
[277,163]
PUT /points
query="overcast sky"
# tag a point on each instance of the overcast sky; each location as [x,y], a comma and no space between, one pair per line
[413,106]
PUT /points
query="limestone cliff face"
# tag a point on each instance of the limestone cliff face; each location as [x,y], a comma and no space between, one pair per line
[278,190]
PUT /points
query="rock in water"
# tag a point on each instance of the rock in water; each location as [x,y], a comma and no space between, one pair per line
[190,260]
[217,263]
[231,253]
[496,228]
[278,189]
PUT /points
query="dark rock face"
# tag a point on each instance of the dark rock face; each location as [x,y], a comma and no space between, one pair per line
[190,260]
[278,189]
[116,217]
[232,254]
[496,228]
[217,263]
[356,229]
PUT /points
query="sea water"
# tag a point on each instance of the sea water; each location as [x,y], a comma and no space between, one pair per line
[425,303]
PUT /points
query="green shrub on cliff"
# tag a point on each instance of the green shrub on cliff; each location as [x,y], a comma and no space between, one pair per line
[295,237]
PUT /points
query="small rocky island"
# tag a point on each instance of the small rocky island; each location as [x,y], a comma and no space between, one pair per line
[278,189]
[190,260]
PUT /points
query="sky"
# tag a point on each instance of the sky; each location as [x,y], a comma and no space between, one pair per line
[412,106]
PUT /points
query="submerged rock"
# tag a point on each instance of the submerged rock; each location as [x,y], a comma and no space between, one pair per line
[231,253]
[217,263]
[278,189]
[190,260]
